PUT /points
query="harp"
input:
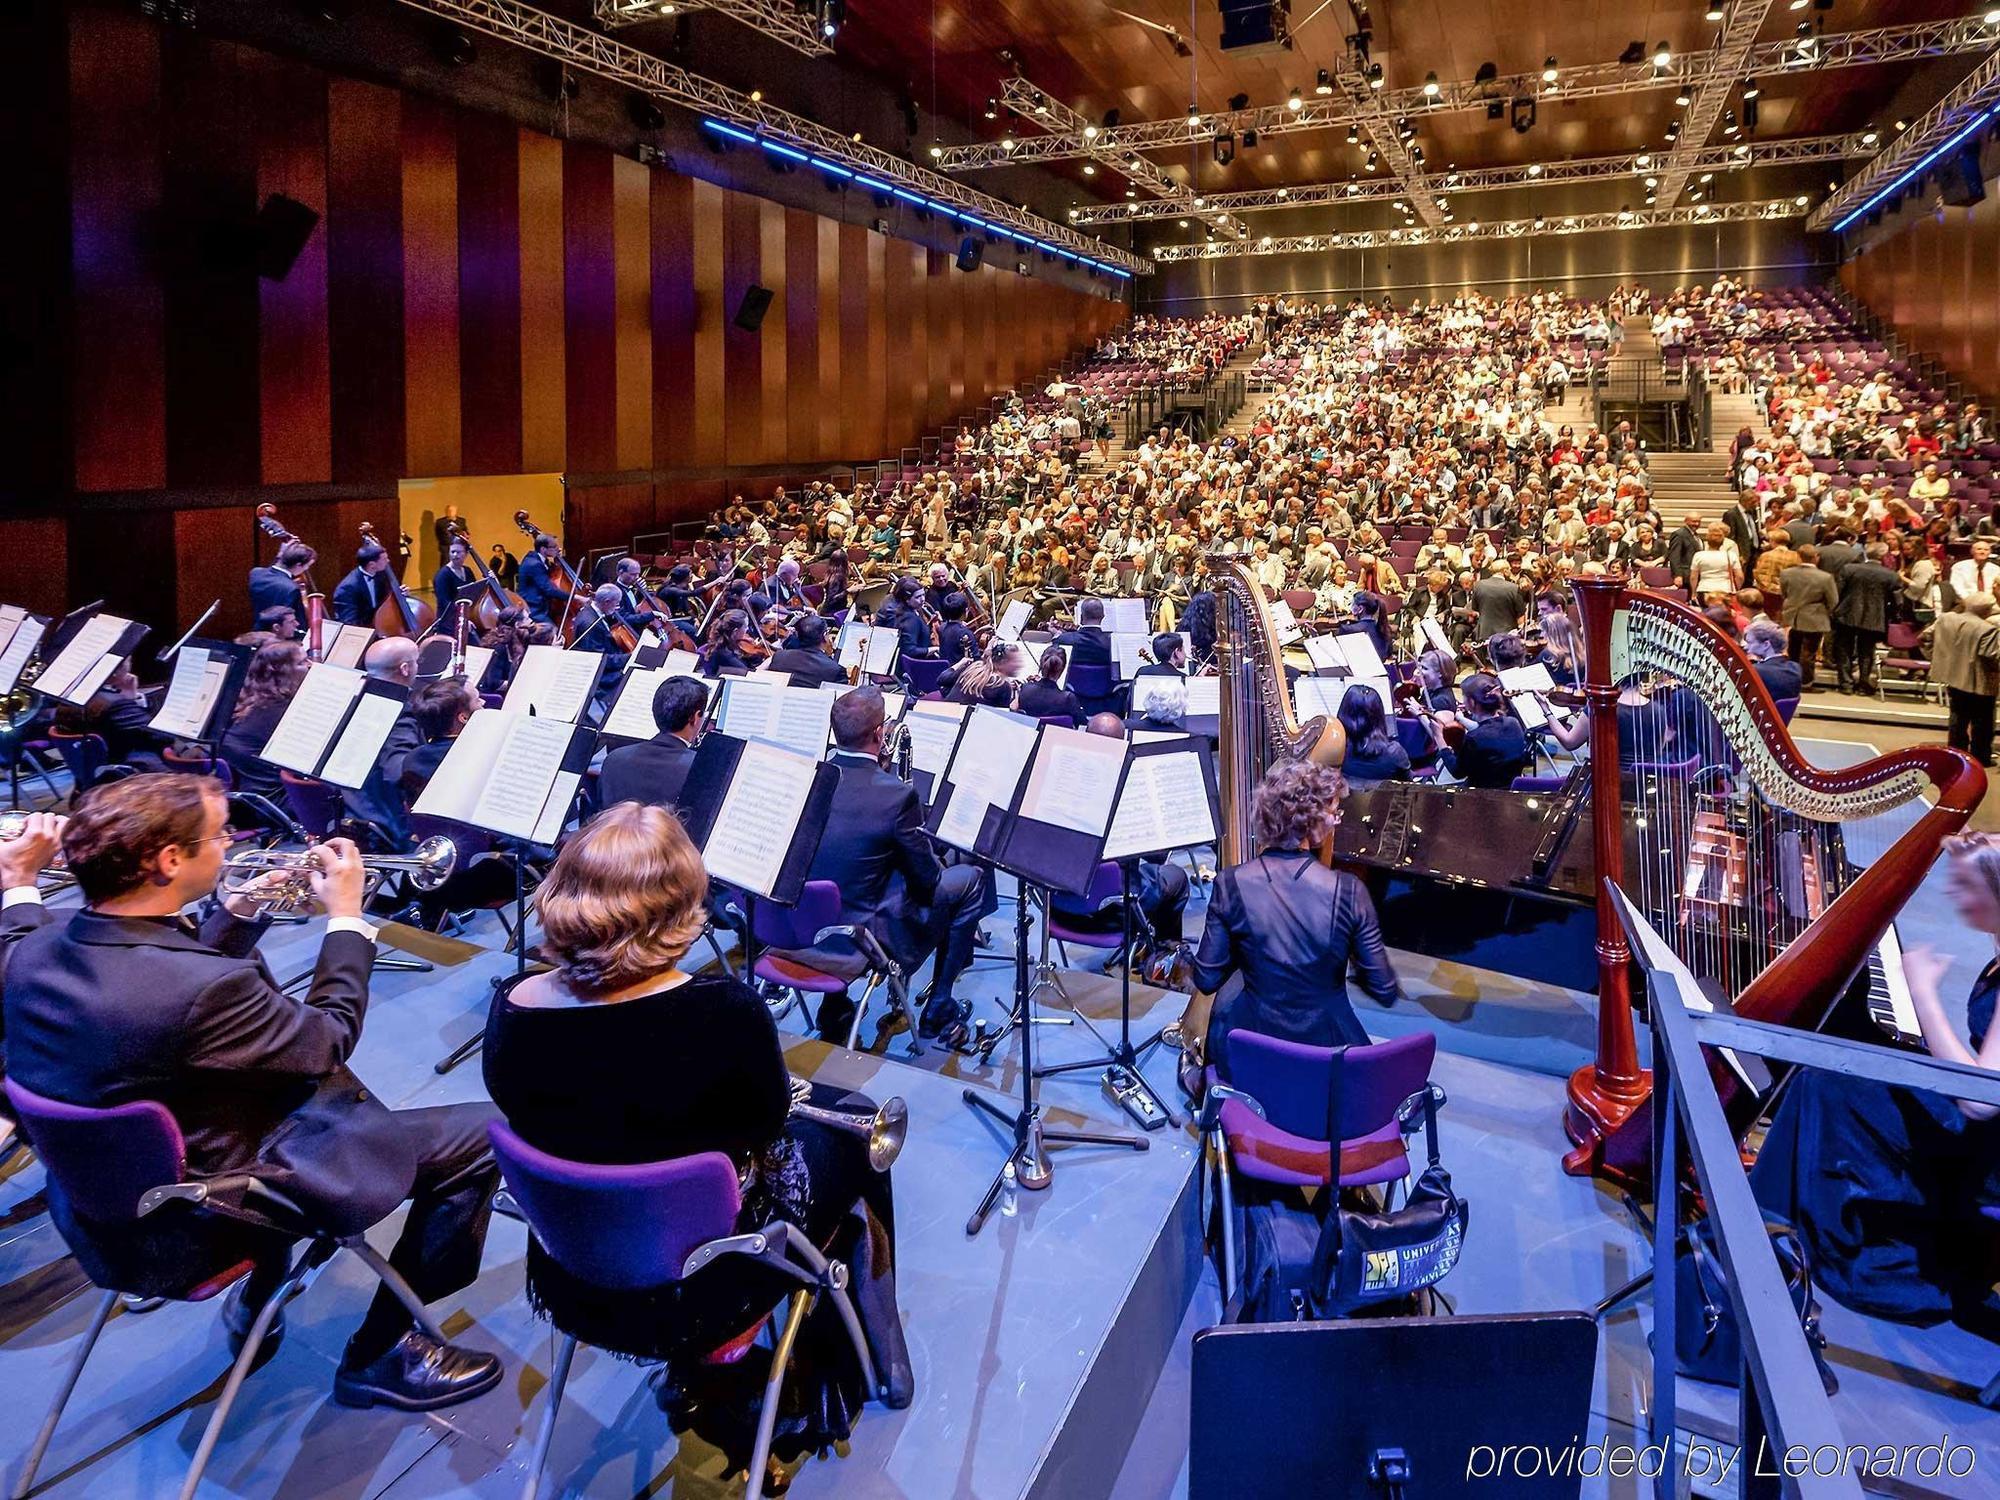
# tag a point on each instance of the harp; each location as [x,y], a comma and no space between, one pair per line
[1257,726]
[1743,849]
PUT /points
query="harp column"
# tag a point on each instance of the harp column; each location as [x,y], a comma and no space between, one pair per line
[1604,1094]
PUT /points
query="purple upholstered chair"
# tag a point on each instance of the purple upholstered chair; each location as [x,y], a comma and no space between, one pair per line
[1269,1121]
[1538,783]
[630,1228]
[923,672]
[1107,888]
[109,1171]
[807,950]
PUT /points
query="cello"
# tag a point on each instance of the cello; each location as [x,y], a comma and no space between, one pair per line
[314,623]
[399,614]
[491,596]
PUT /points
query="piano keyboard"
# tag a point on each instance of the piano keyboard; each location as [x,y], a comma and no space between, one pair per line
[1889,1004]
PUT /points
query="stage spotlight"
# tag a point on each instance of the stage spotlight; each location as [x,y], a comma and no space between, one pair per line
[647,115]
[1729,125]
[1496,109]
[1524,115]
[1090,169]
[1375,78]
[1663,56]
[1250,139]
[1902,125]
[1751,89]
[1548,70]
[453,47]
[1194,116]
[1682,98]
[1324,85]
[1488,71]
[1534,169]
[937,150]
[1625,214]
[1539,222]
[1225,148]
[1239,101]
[831,14]
[1007,141]
[992,109]
[1294,100]
[1353,136]
[1431,85]
[1713,13]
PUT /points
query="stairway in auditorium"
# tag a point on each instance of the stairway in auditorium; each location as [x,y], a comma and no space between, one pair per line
[1690,484]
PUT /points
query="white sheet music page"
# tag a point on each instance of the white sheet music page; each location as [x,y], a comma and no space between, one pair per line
[933,730]
[21,646]
[1326,654]
[803,720]
[80,655]
[360,743]
[1286,622]
[11,616]
[1434,636]
[568,693]
[349,644]
[477,660]
[631,716]
[753,828]
[1204,696]
[313,717]
[1013,620]
[93,678]
[1164,806]
[683,663]
[454,788]
[197,682]
[983,772]
[749,707]
[1363,660]
[521,778]
[1125,616]
[1075,780]
[1313,696]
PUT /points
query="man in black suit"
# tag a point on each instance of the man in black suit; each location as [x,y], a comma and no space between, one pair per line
[1861,618]
[1089,643]
[534,585]
[22,860]
[122,1002]
[278,582]
[803,656]
[655,770]
[1682,545]
[1745,521]
[362,592]
[875,849]
[1169,654]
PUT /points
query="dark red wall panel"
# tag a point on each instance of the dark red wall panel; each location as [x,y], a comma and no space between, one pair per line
[364,281]
[589,293]
[489,294]
[292,362]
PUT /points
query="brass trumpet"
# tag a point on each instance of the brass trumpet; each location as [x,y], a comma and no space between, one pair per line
[885,1129]
[428,868]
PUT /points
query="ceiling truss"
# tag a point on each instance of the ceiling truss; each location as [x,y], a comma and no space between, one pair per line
[1728,62]
[1958,116]
[780,20]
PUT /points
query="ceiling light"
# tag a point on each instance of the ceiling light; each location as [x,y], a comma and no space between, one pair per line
[1548,70]
[1007,141]
[1090,169]
[1902,124]
[1353,136]
[936,150]
[1993,16]
[1090,132]
[1624,214]
[1183,223]
[1652,182]
[1707,177]
[1713,13]
[1870,136]
[1041,102]
[1642,162]
[856,138]
[1265,241]
[756,96]
[1431,86]
[1323,86]
[1800,200]
[1534,169]
[1375,78]
[1662,55]
[1194,117]
[1131,192]
[1682,98]
[1294,100]
[1353,188]
[992,109]
[1200,202]
[1742,151]
[1800,4]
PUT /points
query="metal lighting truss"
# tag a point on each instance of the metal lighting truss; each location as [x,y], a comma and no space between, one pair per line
[1368,239]
[1886,44]
[1800,150]
[781,132]
[1727,61]
[1137,170]
[1382,134]
[1953,120]
[778,19]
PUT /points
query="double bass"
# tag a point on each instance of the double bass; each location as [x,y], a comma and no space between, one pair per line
[491,596]
[563,582]
[399,614]
[315,620]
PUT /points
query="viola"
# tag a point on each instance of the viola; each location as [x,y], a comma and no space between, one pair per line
[399,614]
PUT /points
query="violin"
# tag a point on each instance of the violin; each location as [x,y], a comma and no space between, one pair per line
[399,614]
[492,596]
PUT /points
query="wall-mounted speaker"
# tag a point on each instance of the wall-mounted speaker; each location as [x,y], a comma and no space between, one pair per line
[1960,182]
[971,251]
[750,313]
[283,227]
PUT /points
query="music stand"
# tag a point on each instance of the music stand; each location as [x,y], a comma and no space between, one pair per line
[1054,855]
[1158,794]
[21,633]
[201,695]
[1394,1408]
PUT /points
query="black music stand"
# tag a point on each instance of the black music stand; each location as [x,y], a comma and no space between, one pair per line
[1391,1408]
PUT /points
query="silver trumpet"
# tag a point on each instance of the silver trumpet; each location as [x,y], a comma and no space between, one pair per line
[885,1129]
[429,867]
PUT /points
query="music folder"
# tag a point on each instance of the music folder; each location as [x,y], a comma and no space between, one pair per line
[201,696]
[1125,616]
[631,717]
[554,682]
[335,725]
[1053,834]
[89,648]
[1168,800]
[511,773]
[757,811]
[20,633]
[988,759]
[870,647]
[933,727]
[346,645]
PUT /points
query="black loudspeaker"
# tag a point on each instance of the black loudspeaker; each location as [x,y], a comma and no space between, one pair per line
[750,314]
[283,227]
[971,251]
[1962,184]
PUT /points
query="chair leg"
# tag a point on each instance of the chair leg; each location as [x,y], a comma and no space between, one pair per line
[391,1278]
[899,999]
[63,1392]
[1227,1197]
[538,1460]
[238,1373]
[861,1011]
[767,1416]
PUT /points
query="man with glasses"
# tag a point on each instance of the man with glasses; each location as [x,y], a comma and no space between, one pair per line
[127,1000]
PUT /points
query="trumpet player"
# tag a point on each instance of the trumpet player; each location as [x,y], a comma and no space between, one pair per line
[126,1000]
[23,856]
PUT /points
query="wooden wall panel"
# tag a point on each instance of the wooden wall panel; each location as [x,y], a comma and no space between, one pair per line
[831,379]
[632,329]
[711,319]
[430,289]
[900,321]
[590,297]
[292,364]
[742,350]
[860,341]
[774,363]
[34,563]
[802,400]
[673,296]
[364,281]
[491,310]
[544,390]
[118,305]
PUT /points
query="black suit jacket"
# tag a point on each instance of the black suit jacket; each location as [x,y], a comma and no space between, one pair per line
[1865,591]
[810,666]
[16,922]
[1088,645]
[447,586]
[272,586]
[652,771]
[1746,531]
[357,598]
[876,851]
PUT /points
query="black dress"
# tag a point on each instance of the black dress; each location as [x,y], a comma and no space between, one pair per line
[242,746]
[691,1069]
[1885,1186]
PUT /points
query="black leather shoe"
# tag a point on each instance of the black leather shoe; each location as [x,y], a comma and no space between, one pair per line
[417,1374]
[940,1014]
[238,1315]
[834,1023]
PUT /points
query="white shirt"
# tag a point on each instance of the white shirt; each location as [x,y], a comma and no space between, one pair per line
[28,895]
[1969,577]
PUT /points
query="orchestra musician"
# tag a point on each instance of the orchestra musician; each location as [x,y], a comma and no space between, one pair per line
[1088,641]
[364,590]
[804,655]
[654,771]
[122,1002]
[991,679]
[576,1059]
[438,711]
[1291,926]
[273,676]
[279,623]
[1889,1187]
[1495,747]
[536,585]
[600,619]
[1044,696]
[728,647]
[1169,657]
[903,612]
[1373,751]
[278,582]
[454,578]
[956,640]
[876,851]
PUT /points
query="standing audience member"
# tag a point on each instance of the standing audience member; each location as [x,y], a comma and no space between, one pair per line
[1965,659]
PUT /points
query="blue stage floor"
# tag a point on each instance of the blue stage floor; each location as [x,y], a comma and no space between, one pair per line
[1051,1351]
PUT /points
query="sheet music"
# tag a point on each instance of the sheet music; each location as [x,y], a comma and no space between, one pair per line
[360,744]
[1434,636]
[804,721]
[80,656]
[20,647]
[349,644]
[753,828]
[1313,696]
[521,778]
[1075,780]
[557,683]
[477,660]
[754,708]
[1363,660]
[1326,654]
[1164,806]
[631,716]
[683,663]
[1204,697]
[94,678]
[933,730]
[313,717]
[1154,736]
[1286,621]
[1125,616]
[199,676]
[1522,683]
[879,642]
[983,772]
[1013,620]
[11,616]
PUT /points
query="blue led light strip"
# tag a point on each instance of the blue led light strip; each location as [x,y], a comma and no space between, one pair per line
[1978,121]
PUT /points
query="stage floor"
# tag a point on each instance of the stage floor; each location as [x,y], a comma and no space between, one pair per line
[1051,1351]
